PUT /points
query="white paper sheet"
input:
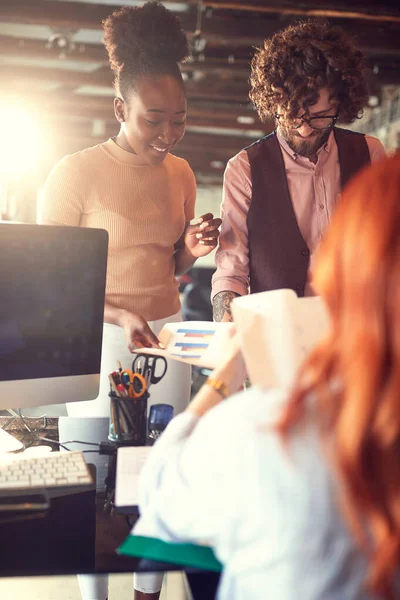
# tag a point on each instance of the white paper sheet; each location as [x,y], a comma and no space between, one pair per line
[8,443]
[277,331]
[130,461]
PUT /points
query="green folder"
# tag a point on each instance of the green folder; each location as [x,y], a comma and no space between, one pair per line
[187,555]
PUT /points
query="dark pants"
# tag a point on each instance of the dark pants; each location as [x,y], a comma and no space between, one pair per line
[203,584]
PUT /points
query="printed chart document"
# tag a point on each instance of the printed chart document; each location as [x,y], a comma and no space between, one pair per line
[201,343]
[277,331]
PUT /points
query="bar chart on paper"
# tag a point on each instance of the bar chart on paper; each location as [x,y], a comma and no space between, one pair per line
[190,342]
[201,343]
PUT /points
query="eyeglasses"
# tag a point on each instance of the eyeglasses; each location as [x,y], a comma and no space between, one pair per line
[313,122]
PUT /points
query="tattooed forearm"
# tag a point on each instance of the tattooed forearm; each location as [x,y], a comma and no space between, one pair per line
[222,306]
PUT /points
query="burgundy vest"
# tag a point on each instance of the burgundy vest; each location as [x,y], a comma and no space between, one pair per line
[278,255]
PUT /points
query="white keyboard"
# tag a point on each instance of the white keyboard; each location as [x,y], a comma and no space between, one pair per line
[53,470]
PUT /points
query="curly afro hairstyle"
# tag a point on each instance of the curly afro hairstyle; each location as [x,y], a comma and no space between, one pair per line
[297,62]
[143,41]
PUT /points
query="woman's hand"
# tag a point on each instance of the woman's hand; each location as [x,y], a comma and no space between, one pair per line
[232,369]
[231,372]
[137,332]
[201,238]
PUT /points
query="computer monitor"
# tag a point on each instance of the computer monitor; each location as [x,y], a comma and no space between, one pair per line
[52,282]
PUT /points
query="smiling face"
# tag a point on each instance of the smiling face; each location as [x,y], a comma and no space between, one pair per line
[153,119]
[305,140]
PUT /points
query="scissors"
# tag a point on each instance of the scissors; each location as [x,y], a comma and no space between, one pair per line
[134,382]
[147,366]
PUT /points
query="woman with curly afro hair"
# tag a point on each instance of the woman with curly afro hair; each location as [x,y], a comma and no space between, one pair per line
[144,196]
[279,193]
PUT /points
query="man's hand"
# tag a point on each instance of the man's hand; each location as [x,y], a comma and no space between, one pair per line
[222,306]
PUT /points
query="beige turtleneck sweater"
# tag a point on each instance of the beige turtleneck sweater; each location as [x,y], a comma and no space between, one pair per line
[143,208]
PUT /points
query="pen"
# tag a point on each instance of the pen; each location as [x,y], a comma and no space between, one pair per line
[127,414]
[122,390]
[117,423]
[123,422]
[116,376]
[113,417]
[113,386]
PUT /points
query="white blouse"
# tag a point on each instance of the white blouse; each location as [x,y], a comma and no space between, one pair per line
[269,512]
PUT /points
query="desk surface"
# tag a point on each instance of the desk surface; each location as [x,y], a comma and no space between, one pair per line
[17,428]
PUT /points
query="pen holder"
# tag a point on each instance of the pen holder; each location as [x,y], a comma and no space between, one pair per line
[128,420]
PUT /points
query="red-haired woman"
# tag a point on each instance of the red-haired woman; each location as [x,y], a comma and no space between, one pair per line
[300,495]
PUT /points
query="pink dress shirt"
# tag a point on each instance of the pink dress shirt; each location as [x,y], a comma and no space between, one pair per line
[314,189]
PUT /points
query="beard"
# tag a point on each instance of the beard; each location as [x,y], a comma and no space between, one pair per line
[308,146]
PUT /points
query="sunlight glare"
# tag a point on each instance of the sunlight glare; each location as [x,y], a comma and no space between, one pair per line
[22,142]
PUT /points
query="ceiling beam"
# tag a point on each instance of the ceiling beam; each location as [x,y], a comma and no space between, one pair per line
[26,48]
[210,87]
[36,49]
[216,64]
[250,30]
[62,14]
[60,76]
[221,28]
[373,11]
[218,114]
[44,12]
[91,15]
[215,88]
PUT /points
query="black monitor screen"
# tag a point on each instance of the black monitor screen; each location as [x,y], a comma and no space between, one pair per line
[52,283]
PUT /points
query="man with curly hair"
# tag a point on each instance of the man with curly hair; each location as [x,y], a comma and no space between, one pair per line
[279,193]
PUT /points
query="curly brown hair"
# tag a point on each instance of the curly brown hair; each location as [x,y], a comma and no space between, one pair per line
[297,62]
[143,41]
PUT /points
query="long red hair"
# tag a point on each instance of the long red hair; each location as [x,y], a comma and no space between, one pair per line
[354,373]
